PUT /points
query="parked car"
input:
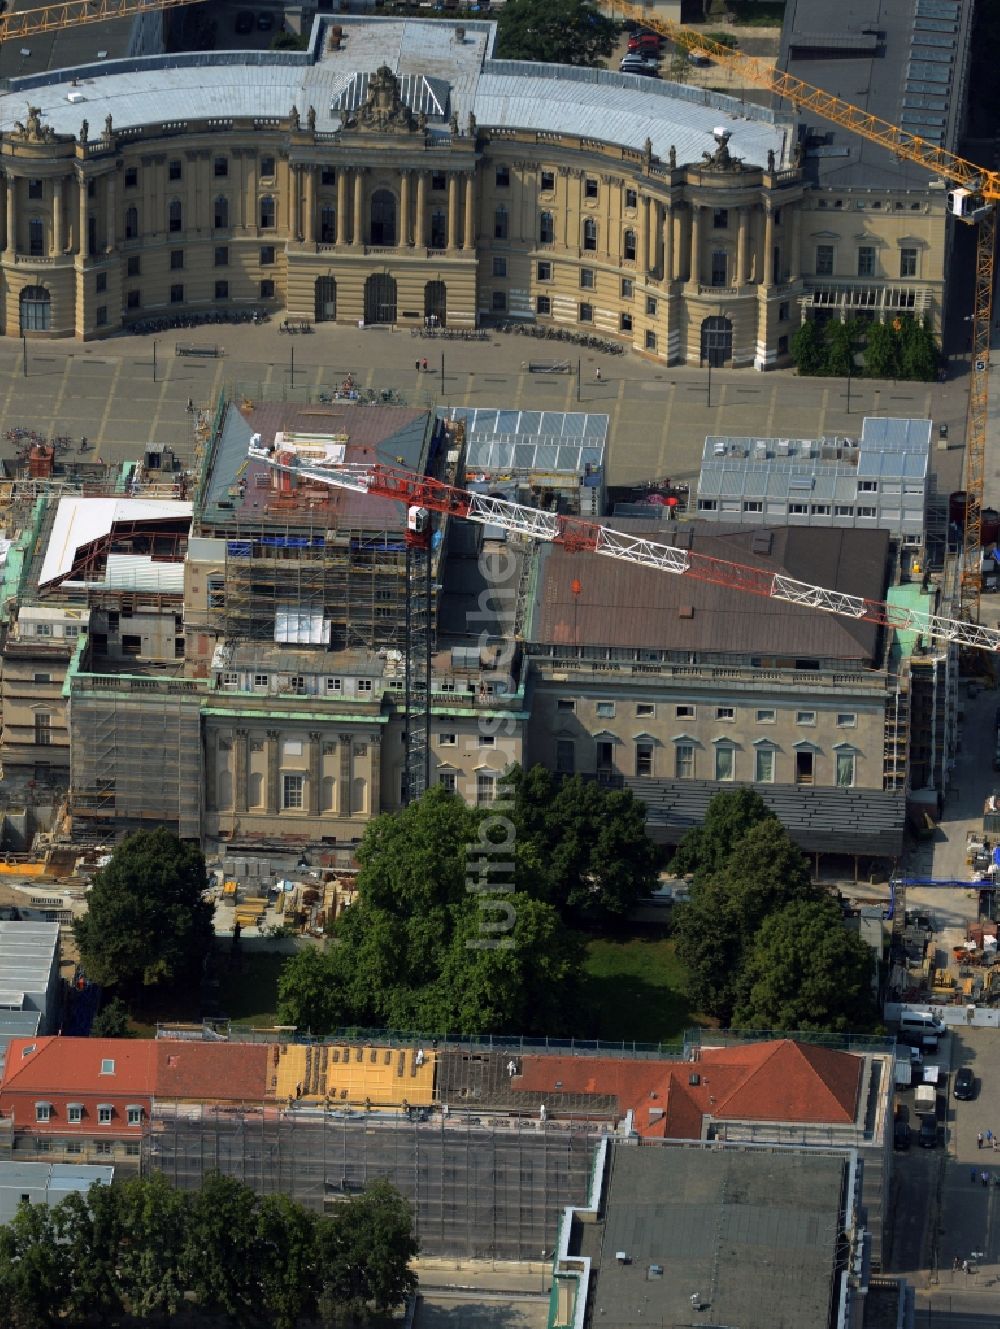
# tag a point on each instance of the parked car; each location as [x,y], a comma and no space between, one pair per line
[965,1084]
[244,22]
[901,1135]
[928,1137]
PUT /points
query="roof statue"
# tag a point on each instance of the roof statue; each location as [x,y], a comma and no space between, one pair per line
[84,130]
[383,110]
[453,122]
[673,156]
[770,161]
[721,159]
[32,130]
[311,119]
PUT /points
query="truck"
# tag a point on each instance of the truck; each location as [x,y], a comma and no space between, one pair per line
[925,1100]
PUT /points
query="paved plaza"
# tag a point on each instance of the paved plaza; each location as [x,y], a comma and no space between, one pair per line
[108,391]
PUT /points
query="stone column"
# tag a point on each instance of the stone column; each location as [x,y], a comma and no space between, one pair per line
[653,231]
[420,238]
[310,205]
[273,770]
[795,247]
[642,239]
[469,240]
[768,247]
[341,234]
[452,210]
[668,244]
[404,208]
[315,772]
[111,204]
[742,276]
[346,792]
[83,215]
[241,771]
[694,273]
[211,770]
[8,212]
[57,226]
[359,189]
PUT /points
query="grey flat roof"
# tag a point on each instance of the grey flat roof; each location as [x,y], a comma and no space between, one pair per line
[911,74]
[562,442]
[434,68]
[54,1176]
[754,1234]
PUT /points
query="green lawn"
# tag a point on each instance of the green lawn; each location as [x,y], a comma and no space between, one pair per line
[248,985]
[636,990]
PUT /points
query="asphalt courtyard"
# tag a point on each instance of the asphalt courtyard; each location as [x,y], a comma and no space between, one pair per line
[131,391]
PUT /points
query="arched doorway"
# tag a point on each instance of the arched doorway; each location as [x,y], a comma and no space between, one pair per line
[380,298]
[383,217]
[36,309]
[716,341]
[435,303]
[326,300]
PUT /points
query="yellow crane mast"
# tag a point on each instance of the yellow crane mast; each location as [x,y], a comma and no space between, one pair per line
[972,197]
[16,25]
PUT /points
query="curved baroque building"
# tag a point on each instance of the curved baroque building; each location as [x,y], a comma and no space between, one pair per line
[396,172]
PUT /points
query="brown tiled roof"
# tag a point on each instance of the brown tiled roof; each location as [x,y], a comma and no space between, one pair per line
[620,604]
[73,1065]
[236,1072]
[782,1081]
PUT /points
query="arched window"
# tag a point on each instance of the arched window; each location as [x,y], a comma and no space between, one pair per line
[175,215]
[546,228]
[220,213]
[629,246]
[383,217]
[590,233]
[328,225]
[500,223]
[36,309]
[131,223]
[36,236]
[267,213]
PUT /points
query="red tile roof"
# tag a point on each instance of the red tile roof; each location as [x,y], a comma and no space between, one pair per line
[73,1066]
[236,1072]
[782,1081]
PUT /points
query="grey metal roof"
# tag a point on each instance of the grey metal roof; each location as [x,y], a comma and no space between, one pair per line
[921,50]
[420,94]
[752,1235]
[563,442]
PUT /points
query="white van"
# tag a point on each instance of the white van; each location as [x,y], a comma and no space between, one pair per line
[923,1025]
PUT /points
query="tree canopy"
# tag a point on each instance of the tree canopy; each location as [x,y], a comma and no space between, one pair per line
[804,970]
[466,918]
[562,32]
[751,884]
[147,920]
[902,349]
[142,1248]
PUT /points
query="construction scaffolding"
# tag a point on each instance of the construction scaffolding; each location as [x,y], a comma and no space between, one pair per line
[480,1188]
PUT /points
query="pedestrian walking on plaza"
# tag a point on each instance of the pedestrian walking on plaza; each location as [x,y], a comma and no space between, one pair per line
[417,366]
[985,1178]
[956,1262]
[597,373]
[989,1137]
[965,1266]
[979,1140]
[423,364]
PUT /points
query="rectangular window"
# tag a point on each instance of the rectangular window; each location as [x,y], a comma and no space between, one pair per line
[805,717]
[725,763]
[846,719]
[222,256]
[644,759]
[764,766]
[798,509]
[684,761]
[650,340]
[685,712]
[135,1116]
[267,289]
[543,305]
[43,629]
[364,685]
[503,177]
[175,171]
[645,709]
[586,313]
[624,322]
[842,510]
[565,704]
[804,767]
[651,305]
[486,788]
[43,1111]
[447,740]
[565,756]
[548,181]
[720,267]
[867,486]
[131,177]
[628,288]
[43,730]
[220,168]
[907,262]
[448,782]
[546,229]
[222,290]
[499,266]
[176,260]
[132,299]
[177,294]
[74,1113]
[784,311]
[134,266]
[439,182]
[765,716]
[824,260]
[104,1147]
[498,302]
[104,1114]
[725,712]
[35,189]
[291,791]
[267,167]
[500,224]
[866,261]
[845,770]
[631,198]
[590,187]
[587,278]
[753,505]
[101,283]
[487,740]
[720,219]
[869,513]
[101,317]
[606,710]
[266,255]
[544,271]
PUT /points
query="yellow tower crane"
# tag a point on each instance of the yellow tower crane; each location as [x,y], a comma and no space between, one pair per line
[973,193]
[74,13]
